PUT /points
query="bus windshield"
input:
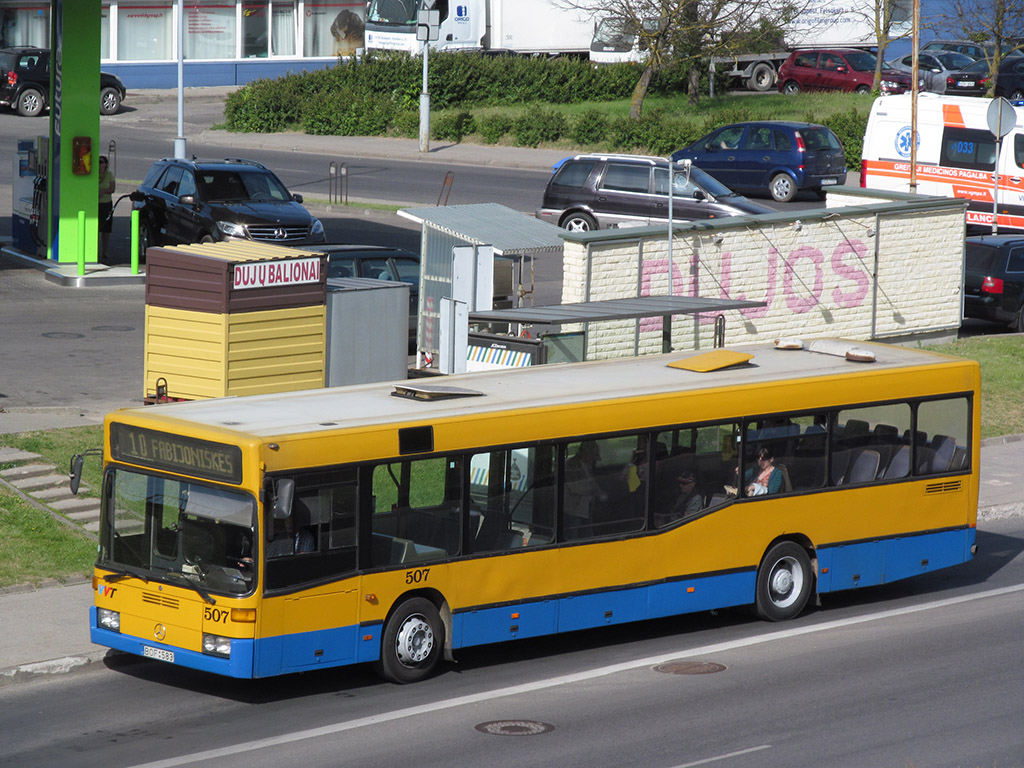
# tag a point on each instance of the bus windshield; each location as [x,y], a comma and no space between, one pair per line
[178,531]
[392,11]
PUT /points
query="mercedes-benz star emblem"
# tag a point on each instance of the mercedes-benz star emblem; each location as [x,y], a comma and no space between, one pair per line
[279,233]
[159,631]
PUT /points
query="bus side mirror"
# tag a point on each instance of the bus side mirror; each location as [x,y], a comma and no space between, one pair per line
[284,492]
[77,462]
[75,475]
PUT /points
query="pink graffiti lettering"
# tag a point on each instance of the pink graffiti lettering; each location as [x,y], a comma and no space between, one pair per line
[797,304]
[858,276]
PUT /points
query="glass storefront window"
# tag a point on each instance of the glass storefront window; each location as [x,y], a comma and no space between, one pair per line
[333,28]
[105,31]
[282,29]
[145,30]
[210,29]
[24,23]
[254,30]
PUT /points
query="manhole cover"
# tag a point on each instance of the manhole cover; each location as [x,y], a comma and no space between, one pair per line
[63,335]
[689,667]
[515,727]
[113,328]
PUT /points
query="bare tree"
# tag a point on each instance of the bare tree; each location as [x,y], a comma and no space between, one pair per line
[688,31]
[997,24]
[892,21]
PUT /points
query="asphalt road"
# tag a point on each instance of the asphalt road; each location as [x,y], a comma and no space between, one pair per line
[924,673]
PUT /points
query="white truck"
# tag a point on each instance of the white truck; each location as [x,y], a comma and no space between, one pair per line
[820,24]
[516,26]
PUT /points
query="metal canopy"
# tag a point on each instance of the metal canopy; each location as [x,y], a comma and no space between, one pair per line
[612,309]
[505,229]
[615,309]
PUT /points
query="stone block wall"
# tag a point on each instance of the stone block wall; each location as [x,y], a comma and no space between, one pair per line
[890,270]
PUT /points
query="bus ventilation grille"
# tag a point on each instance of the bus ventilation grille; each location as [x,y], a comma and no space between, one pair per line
[162,600]
[950,486]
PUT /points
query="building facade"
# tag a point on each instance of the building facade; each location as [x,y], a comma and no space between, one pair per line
[225,42]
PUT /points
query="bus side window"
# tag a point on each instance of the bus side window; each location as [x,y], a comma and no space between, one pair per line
[417,510]
[867,442]
[944,441]
[596,486]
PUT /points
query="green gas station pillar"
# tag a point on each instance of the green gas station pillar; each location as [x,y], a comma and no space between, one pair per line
[73,183]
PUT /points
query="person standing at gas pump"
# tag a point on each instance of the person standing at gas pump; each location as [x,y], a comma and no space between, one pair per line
[106,207]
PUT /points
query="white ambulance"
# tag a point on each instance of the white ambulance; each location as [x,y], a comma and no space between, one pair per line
[955,154]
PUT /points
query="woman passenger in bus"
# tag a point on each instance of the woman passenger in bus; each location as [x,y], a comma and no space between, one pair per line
[765,477]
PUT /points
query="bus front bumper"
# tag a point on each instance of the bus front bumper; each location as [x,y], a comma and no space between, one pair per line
[239,664]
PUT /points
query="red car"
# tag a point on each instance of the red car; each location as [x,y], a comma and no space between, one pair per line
[837,69]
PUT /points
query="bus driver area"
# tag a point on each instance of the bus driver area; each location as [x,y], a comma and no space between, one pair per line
[489,509]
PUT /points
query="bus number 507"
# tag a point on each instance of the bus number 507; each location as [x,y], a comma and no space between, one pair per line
[417,576]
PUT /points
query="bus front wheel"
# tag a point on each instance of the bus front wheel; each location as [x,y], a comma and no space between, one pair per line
[412,641]
[784,582]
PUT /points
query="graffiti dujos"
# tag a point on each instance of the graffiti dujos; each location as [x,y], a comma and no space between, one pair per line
[808,279]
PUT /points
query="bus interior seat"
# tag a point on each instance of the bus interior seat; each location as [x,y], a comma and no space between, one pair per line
[787,485]
[959,458]
[944,447]
[840,465]
[863,468]
[899,464]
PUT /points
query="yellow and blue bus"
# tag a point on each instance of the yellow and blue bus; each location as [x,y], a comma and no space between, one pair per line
[395,523]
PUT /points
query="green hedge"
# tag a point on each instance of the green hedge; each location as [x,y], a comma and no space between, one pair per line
[380,96]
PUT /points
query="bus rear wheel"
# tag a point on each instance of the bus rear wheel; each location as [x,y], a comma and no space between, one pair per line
[412,641]
[784,582]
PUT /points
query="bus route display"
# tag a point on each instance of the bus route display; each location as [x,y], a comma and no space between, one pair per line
[176,453]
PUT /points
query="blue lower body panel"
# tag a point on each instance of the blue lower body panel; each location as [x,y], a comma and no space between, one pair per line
[868,563]
[552,615]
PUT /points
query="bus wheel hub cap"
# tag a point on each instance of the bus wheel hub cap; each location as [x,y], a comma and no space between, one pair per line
[415,641]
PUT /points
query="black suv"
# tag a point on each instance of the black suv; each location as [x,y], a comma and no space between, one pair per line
[25,82]
[600,191]
[994,279]
[189,201]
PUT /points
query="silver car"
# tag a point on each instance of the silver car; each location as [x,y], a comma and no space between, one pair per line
[933,68]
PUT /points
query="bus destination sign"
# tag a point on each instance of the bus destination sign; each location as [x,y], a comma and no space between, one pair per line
[176,453]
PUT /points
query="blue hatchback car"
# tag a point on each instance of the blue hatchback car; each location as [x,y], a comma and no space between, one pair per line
[774,157]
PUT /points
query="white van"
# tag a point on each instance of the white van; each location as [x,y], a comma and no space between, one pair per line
[955,154]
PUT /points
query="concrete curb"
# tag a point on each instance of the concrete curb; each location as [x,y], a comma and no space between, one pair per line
[66,665]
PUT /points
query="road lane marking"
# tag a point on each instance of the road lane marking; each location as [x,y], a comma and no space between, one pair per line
[715,759]
[576,677]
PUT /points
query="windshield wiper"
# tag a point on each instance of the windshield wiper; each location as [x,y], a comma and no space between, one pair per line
[119,574]
[186,580]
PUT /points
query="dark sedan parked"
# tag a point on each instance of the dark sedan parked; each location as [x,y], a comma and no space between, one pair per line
[380,263]
[974,79]
[994,279]
[773,157]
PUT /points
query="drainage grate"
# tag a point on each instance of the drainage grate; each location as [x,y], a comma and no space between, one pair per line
[515,727]
[689,667]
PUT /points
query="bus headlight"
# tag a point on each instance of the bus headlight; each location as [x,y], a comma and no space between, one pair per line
[217,645]
[108,619]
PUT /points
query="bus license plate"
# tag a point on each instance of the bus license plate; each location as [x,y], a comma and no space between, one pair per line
[158,653]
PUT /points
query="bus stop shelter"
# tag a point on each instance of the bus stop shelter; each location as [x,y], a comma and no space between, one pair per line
[618,309]
[515,238]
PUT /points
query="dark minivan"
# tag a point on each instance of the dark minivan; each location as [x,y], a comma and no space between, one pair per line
[600,191]
[994,279]
[774,157]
